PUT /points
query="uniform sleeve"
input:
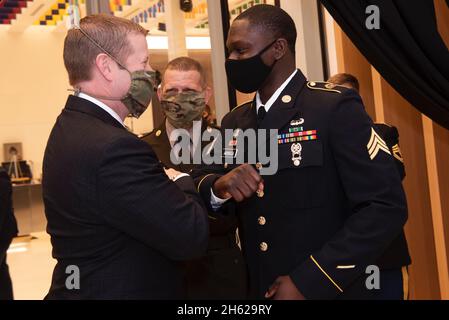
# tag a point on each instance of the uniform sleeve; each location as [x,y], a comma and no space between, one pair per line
[206,176]
[377,208]
[137,198]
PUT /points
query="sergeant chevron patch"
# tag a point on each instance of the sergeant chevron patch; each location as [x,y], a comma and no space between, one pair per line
[376,144]
[397,153]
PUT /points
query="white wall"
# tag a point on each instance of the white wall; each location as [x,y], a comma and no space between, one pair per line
[33,90]
[308,46]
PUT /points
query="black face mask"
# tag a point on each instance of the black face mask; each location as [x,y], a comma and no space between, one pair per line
[248,75]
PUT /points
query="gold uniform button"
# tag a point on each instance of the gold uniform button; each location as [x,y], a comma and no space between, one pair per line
[286,99]
[263,246]
[312,84]
[262,221]
[158,133]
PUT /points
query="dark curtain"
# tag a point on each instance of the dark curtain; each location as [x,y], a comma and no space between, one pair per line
[407,50]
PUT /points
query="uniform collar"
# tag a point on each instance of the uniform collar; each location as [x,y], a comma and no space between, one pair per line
[275,95]
[286,106]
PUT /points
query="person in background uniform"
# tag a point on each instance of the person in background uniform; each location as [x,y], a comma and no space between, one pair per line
[389,133]
[221,273]
[119,227]
[8,230]
[397,253]
[335,204]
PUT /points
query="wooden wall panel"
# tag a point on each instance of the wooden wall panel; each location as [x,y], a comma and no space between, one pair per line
[442,150]
[355,63]
[419,229]
[442,13]
[441,134]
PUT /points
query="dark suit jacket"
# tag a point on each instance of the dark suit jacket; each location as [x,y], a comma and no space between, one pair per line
[221,273]
[8,225]
[325,218]
[113,213]
[8,230]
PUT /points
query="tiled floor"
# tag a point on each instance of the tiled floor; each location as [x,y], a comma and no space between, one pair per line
[31,266]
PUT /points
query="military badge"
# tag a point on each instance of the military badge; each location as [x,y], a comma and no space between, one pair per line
[297,122]
[286,99]
[296,154]
[297,135]
[230,153]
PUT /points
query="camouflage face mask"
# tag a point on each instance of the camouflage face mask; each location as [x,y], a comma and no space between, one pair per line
[140,92]
[183,108]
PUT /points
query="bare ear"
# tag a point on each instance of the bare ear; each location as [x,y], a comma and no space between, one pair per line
[281,47]
[208,94]
[103,65]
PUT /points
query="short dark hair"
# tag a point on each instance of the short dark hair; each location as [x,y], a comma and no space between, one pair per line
[188,64]
[345,78]
[108,31]
[274,20]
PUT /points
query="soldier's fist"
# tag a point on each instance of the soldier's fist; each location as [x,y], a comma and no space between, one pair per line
[240,184]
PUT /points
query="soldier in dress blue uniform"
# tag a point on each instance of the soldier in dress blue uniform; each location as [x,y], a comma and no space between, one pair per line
[311,230]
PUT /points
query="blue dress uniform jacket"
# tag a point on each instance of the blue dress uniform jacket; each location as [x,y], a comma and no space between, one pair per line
[113,213]
[323,219]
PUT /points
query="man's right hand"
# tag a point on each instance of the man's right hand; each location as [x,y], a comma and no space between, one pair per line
[240,184]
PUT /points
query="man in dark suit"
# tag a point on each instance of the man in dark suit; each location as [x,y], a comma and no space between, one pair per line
[316,228]
[8,230]
[118,225]
[221,273]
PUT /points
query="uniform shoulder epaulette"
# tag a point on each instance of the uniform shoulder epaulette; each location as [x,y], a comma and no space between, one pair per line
[242,105]
[323,86]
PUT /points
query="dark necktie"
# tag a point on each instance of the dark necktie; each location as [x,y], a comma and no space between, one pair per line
[261,114]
